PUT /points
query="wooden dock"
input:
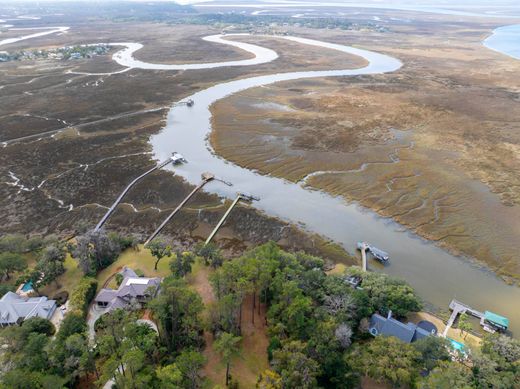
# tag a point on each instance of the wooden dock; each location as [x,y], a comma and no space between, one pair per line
[459,308]
[175,158]
[363,249]
[206,177]
[378,254]
[240,196]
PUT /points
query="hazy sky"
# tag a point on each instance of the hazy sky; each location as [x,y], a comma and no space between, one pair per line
[489,3]
[438,3]
[453,4]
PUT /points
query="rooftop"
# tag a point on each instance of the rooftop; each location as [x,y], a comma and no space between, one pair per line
[388,326]
[15,308]
[131,288]
[496,319]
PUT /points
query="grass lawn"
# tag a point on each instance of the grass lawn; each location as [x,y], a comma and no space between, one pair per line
[454,333]
[338,269]
[67,281]
[135,259]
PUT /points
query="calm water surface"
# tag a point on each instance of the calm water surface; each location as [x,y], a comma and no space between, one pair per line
[436,275]
[505,40]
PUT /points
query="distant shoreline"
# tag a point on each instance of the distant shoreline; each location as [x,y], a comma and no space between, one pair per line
[505,40]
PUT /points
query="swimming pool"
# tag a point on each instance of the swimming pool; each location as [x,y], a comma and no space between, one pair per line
[27,287]
[457,346]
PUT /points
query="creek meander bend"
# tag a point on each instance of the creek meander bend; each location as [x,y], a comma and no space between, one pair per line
[437,275]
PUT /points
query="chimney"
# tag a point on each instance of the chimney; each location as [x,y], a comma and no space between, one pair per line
[389,314]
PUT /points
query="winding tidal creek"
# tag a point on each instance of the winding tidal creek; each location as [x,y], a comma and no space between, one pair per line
[437,275]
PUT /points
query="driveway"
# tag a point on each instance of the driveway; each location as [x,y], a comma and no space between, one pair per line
[94,313]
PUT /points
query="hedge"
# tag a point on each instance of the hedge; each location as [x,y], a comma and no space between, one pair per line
[82,295]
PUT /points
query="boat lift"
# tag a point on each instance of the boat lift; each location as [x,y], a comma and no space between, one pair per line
[188,103]
[378,254]
[247,197]
[206,177]
[175,159]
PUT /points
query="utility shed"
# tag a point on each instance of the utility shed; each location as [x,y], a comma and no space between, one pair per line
[496,320]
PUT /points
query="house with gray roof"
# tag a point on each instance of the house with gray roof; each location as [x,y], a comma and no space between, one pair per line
[14,309]
[133,289]
[388,326]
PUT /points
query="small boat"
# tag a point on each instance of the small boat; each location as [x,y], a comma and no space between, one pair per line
[378,254]
[178,158]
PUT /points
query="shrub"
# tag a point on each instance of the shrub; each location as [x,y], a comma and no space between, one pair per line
[127,241]
[73,323]
[38,325]
[61,297]
[4,288]
[139,272]
[119,278]
[83,295]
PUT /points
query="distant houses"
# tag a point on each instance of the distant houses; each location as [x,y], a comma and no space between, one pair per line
[132,290]
[14,309]
[408,333]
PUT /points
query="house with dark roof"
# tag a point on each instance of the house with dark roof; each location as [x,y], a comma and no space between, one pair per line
[14,309]
[388,326]
[133,289]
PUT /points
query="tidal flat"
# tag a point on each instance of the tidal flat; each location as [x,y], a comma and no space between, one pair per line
[433,146]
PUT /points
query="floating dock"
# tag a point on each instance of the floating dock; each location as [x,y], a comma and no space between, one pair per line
[490,322]
[378,254]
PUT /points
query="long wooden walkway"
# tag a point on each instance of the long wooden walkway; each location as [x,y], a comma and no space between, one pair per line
[83,125]
[240,196]
[206,177]
[173,159]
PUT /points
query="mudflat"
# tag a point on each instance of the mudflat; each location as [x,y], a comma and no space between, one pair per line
[89,138]
[434,145]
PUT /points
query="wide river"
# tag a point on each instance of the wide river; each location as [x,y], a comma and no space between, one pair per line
[505,40]
[436,275]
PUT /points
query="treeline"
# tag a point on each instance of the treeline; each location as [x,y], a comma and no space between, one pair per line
[34,358]
[93,251]
[256,21]
[49,252]
[317,326]
[65,53]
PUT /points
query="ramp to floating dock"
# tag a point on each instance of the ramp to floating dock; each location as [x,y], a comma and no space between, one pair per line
[459,308]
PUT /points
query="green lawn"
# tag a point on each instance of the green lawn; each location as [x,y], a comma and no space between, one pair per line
[133,259]
[141,259]
[67,281]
